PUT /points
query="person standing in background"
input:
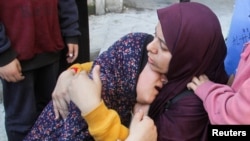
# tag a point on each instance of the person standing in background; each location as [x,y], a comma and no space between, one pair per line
[83,39]
[184,0]
[32,35]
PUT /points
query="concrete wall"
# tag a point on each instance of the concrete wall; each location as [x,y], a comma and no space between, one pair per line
[114,5]
[147,4]
[105,6]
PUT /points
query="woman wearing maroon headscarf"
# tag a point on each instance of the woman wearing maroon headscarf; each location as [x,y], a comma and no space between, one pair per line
[188,42]
[193,35]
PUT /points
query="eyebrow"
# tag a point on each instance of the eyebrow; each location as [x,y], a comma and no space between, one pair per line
[161,40]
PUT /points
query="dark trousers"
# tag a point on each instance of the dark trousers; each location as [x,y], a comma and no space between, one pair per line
[24,100]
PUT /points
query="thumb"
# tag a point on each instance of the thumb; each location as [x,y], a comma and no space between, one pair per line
[18,65]
[96,75]
[138,116]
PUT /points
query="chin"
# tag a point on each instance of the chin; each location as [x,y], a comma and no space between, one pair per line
[156,69]
[153,67]
[148,102]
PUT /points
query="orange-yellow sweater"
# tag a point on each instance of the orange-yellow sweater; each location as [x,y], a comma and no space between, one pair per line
[105,125]
[84,66]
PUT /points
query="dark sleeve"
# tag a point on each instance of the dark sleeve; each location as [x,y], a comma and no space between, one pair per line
[68,15]
[4,41]
[6,53]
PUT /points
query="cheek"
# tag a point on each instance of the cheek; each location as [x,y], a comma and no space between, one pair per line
[146,95]
[142,94]
[149,98]
[168,58]
[164,64]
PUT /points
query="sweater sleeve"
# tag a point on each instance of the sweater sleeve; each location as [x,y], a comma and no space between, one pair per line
[84,66]
[223,104]
[68,14]
[105,125]
[4,41]
[7,54]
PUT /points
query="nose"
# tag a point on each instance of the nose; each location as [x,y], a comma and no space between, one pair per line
[160,83]
[164,79]
[152,46]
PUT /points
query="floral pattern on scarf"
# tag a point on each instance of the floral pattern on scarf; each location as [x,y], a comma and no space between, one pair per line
[120,67]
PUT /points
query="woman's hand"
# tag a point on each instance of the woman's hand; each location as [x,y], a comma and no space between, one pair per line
[85,92]
[60,96]
[142,128]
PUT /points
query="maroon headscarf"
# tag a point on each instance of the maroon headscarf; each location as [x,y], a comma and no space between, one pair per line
[193,35]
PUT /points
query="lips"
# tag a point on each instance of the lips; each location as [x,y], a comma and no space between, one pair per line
[158,88]
[150,60]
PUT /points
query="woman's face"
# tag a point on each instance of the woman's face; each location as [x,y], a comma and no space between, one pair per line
[152,77]
[158,54]
[148,85]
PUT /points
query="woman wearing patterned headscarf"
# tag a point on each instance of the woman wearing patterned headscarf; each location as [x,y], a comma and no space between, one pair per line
[120,67]
[191,33]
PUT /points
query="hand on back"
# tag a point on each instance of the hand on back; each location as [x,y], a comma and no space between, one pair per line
[197,81]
